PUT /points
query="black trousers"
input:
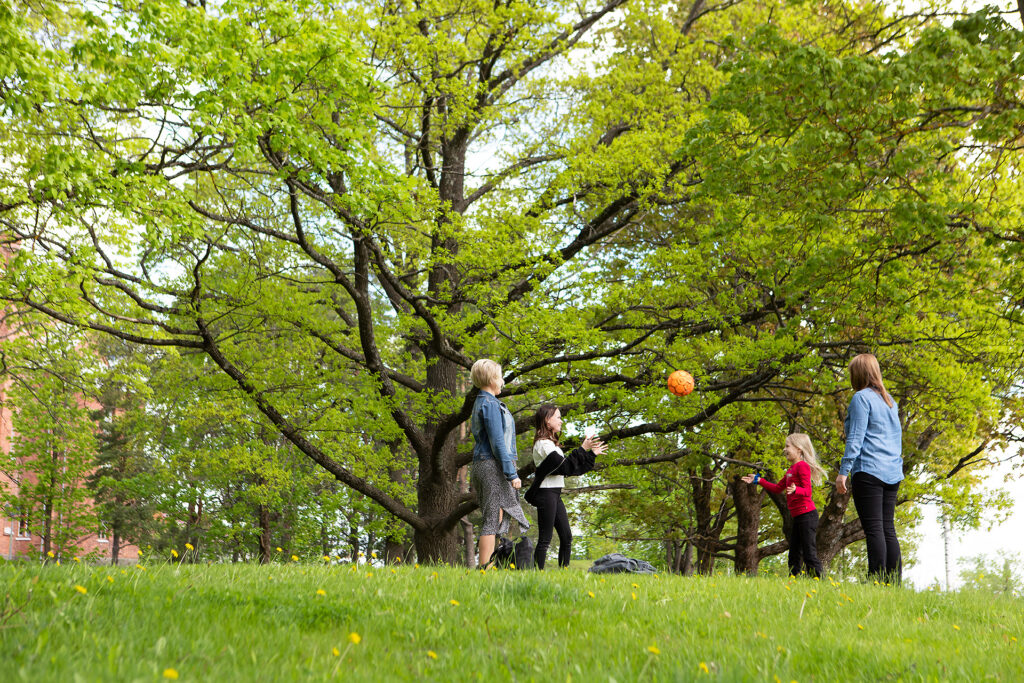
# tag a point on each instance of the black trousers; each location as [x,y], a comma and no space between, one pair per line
[551,516]
[876,506]
[803,544]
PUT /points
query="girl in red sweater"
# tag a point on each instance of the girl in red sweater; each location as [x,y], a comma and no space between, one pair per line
[803,542]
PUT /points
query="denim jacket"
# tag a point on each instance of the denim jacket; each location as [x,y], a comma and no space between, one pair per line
[494,434]
[874,438]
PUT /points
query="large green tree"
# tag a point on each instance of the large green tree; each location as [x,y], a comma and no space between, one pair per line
[341,207]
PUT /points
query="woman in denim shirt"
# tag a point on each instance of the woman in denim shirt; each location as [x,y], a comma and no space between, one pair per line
[874,461]
[494,474]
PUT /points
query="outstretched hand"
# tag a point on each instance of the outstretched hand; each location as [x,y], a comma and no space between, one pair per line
[594,445]
[748,478]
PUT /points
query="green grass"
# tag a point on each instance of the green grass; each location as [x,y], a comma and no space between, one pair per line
[249,623]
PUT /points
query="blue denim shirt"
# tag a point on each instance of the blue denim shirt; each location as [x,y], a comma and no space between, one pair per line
[874,438]
[494,434]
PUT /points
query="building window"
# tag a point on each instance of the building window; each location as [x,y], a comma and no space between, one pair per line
[101,535]
[23,524]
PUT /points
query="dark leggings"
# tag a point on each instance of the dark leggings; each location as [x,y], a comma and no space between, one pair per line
[551,515]
[876,506]
[803,544]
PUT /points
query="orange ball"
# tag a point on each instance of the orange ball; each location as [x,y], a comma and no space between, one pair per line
[680,382]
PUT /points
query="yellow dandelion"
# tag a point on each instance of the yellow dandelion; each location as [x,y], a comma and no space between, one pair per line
[321,591]
[416,566]
[141,568]
[81,589]
[124,571]
[76,559]
[171,674]
[189,546]
[956,627]
[787,587]
[512,564]
[860,627]
[704,668]
[394,571]
[807,594]
[653,649]
[295,558]
[174,553]
[354,638]
[590,593]
[141,553]
[110,579]
[49,553]
[398,560]
[634,595]
[326,558]
[369,574]
[635,585]
[279,549]
[373,554]
[336,652]
[453,602]
[431,654]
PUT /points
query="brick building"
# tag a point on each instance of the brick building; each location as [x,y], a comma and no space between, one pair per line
[16,539]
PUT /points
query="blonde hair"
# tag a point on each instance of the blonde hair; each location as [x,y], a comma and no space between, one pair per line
[802,443]
[864,372]
[485,373]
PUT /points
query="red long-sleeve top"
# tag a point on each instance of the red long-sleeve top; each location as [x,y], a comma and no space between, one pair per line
[800,500]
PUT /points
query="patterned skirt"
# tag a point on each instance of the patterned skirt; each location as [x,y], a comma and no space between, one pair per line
[495,494]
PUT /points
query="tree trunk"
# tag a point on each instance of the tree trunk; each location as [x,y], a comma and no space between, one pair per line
[437,486]
[263,519]
[468,535]
[747,499]
[686,563]
[353,538]
[115,547]
[832,528]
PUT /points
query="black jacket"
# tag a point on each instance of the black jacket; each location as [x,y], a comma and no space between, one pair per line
[577,462]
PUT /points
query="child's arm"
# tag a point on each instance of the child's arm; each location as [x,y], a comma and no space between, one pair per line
[802,480]
[769,486]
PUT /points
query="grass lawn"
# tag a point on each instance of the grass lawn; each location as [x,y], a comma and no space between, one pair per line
[306,622]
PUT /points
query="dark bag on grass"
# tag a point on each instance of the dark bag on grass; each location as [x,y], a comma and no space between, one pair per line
[616,563]
[513,555]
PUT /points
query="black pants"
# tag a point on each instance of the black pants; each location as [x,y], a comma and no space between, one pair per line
[551,516]
[876,506]
[803,544]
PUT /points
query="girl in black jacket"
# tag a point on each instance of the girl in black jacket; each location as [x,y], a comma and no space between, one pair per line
[552,468]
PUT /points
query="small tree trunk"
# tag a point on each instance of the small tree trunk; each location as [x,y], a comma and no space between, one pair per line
[468,534]
[686,561]
[263,520]
[115,547]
